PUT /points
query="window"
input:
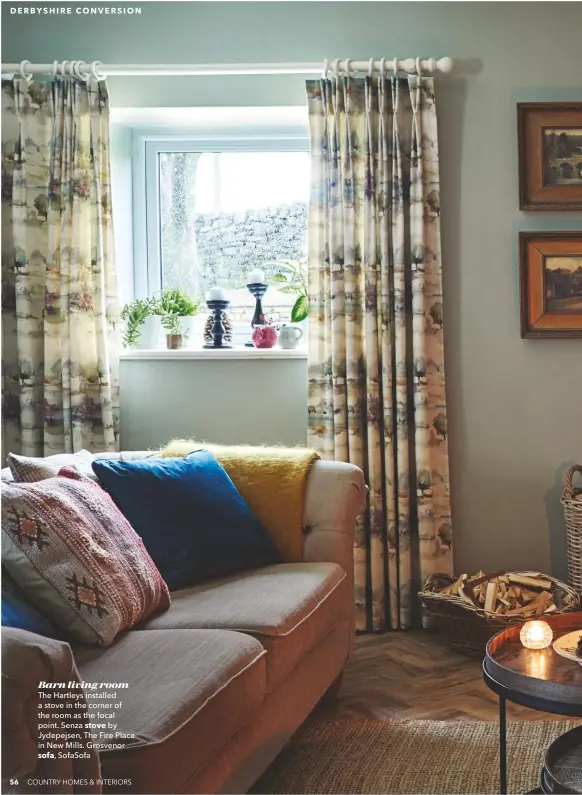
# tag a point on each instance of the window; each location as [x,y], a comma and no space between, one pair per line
[215,210]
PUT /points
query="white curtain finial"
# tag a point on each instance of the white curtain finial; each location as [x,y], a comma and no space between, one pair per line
[445,64]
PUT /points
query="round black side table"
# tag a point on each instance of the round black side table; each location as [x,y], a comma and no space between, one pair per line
[562,771]
[536,678]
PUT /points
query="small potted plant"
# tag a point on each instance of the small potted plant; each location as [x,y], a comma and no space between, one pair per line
[292,278]
[173,306]
[140,324]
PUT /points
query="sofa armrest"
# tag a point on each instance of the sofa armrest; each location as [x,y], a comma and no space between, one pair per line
[336,496]
[27,660]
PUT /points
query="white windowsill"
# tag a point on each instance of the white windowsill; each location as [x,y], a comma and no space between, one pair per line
[238,352]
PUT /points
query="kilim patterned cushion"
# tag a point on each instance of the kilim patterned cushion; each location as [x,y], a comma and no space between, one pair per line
[77,558]
[29,470]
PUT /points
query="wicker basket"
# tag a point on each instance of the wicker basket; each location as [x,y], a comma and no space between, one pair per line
[573,515]
[467,627]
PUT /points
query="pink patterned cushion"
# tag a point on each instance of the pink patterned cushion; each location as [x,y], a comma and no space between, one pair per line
[78,559]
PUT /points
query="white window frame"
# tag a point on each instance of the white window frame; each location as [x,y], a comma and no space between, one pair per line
[147,266]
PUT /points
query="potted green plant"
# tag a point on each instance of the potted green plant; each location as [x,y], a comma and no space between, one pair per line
[173,306]
[292,278]
[140,324]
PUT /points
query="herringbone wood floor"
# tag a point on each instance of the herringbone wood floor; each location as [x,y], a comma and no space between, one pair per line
[414,675]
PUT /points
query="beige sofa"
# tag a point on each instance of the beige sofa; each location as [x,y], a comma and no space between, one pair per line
[219,683]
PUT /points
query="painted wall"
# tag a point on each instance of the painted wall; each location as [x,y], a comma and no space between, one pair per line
[234,402]
[515,407]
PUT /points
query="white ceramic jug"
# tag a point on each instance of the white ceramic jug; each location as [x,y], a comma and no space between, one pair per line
[289,336]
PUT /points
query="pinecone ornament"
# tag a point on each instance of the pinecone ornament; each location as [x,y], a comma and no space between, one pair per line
[226,322]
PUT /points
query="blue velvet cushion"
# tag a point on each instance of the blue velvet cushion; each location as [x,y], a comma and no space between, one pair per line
[190,516]
[19,615]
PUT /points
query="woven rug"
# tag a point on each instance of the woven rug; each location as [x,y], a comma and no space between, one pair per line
[379,756]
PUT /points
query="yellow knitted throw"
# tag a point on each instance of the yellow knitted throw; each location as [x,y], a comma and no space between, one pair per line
[272,480]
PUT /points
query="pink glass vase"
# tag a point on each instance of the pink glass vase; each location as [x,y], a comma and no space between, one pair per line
[264,336]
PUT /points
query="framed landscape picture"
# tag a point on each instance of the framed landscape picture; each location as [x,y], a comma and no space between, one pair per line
[550,155]
[551,284]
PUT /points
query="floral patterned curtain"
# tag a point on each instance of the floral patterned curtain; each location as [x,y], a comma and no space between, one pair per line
[59,292]
[376,375]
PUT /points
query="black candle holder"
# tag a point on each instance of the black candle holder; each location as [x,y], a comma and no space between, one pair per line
[258,290]
[218,331]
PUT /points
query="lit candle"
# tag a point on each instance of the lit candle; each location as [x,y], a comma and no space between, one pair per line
[256,277]
[217,294]
[536,634]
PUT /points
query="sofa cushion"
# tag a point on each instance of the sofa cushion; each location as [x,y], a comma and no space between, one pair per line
[189,691]
[19,613]
[190,515]
[29,470]
[76,557]
[6,475]
[133,455]
[289,608]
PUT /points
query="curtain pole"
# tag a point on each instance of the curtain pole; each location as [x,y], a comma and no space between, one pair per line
[100,71]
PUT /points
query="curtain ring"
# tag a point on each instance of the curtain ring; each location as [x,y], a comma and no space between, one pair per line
[325,68]
[55,69]
[336,68]
[348,67]
[23,74]
[86,74]
[94,73]
[382,67]
[418,67]
[395,67]
[371,67]
[77,70]
[431,65]
[63,68]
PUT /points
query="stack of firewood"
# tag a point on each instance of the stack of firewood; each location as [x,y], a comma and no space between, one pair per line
[525,594]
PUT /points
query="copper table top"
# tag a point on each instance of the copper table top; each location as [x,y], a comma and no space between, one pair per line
[537,673]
